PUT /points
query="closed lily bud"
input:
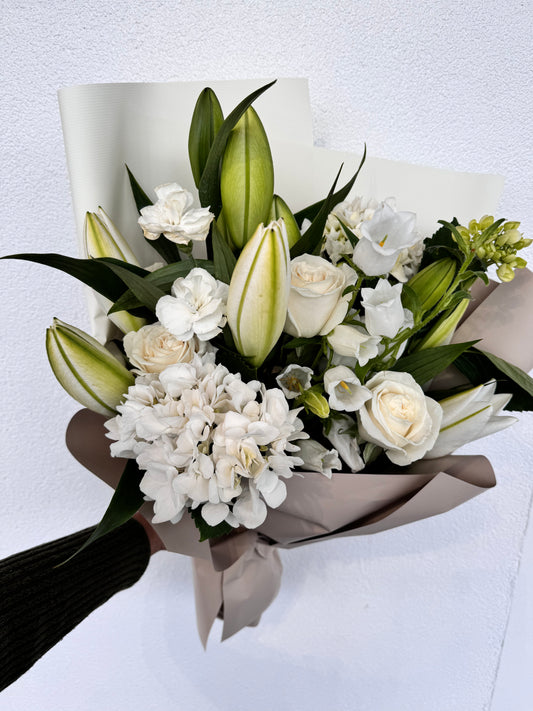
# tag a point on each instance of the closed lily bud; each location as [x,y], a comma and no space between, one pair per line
[206,121]
[442,333]
[246,178]
[469,416]
[102,239]
[259,292]
[85,369]
[280,209]
[431,283]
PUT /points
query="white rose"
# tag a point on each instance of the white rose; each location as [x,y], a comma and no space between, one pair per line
[174,217]
[399,417]
[152,348]
[316,304]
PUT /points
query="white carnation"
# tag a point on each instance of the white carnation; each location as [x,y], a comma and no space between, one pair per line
[174,217]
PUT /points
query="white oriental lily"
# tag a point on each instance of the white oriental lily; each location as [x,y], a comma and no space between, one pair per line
[469,416]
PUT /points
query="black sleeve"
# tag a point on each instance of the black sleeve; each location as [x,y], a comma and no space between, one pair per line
[40,603]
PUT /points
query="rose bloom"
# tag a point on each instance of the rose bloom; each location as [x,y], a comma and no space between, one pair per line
[316,303]
[399,417]
[152,348]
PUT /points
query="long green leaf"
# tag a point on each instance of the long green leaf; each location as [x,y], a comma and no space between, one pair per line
[223,258]
[162,278]
[513,372]
[96,273]
[425,365]
[312,237]
[148,294]
[166,249]
[126,501]
[312,211]
[209,188]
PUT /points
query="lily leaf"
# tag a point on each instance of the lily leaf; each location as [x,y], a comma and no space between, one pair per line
[209,187]
[223,258]
[425,365]
[206,531]
[148,294]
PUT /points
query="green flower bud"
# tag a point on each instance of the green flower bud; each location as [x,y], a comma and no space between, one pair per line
[206,121]
[431,283]
[442,333]
[259,292]
[246,178]
[486,221]
[85,369]
[505,272]
[314,402]
[280,209]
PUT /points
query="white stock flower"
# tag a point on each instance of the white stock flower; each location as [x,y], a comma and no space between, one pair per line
[316,458]
[354,342]
[342,437]
[399,417]
[197,306]
[152,348]
[294,379]
[344,389]
[174,217]
[352,213]
[205,438]
[383,238]
[383,309]
[468,416]
[316,303]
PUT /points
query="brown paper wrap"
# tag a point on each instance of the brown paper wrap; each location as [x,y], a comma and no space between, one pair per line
[237,577]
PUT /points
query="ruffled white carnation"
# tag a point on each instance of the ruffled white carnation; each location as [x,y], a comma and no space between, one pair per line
[174,217]
[205,438]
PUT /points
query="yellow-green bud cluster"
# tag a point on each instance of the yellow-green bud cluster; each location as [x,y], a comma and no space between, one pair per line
[496,244]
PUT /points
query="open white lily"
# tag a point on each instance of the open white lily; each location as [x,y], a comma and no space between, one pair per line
[102,239]
[259,292]
[86,370]
[469,416]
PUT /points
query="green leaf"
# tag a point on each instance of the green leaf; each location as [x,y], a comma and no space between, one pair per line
[126,501]
[207,531]
[425,365]
[310,240]
[223,258]
[235,363]
[148,294]
[206,121]
[440,246]
[411,301]
[96,273]
[166,249]
[209,188]
[162,278]
[348,232]
[312,211]
[481,366]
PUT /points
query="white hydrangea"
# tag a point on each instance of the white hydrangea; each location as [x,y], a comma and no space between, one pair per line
[352,213]
[206,438]
[408,262]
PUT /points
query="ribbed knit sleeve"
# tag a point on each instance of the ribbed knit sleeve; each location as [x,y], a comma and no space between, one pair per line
[40,603]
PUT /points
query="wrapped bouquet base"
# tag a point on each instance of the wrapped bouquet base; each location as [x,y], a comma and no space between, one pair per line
[239,575]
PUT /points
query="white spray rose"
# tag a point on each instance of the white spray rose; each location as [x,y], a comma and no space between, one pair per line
[354,342]
[399,417]
[152,348]
[383,309]
[197,306]
[174,217]
[316,303]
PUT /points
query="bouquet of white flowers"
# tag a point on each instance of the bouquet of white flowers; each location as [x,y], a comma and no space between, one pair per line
[277,378]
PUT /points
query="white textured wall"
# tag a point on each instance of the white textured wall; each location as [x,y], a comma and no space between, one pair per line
[414,618]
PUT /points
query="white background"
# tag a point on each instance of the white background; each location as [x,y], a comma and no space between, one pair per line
[414,618]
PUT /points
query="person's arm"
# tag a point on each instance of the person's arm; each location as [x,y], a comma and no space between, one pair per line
[40,603]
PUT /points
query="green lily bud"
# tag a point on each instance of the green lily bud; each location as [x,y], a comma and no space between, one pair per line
[442,333]
[102,239]
[86,370]
[431,284]
[314,402]
[280,209]
[206,121]
[246,178]
[258,293]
